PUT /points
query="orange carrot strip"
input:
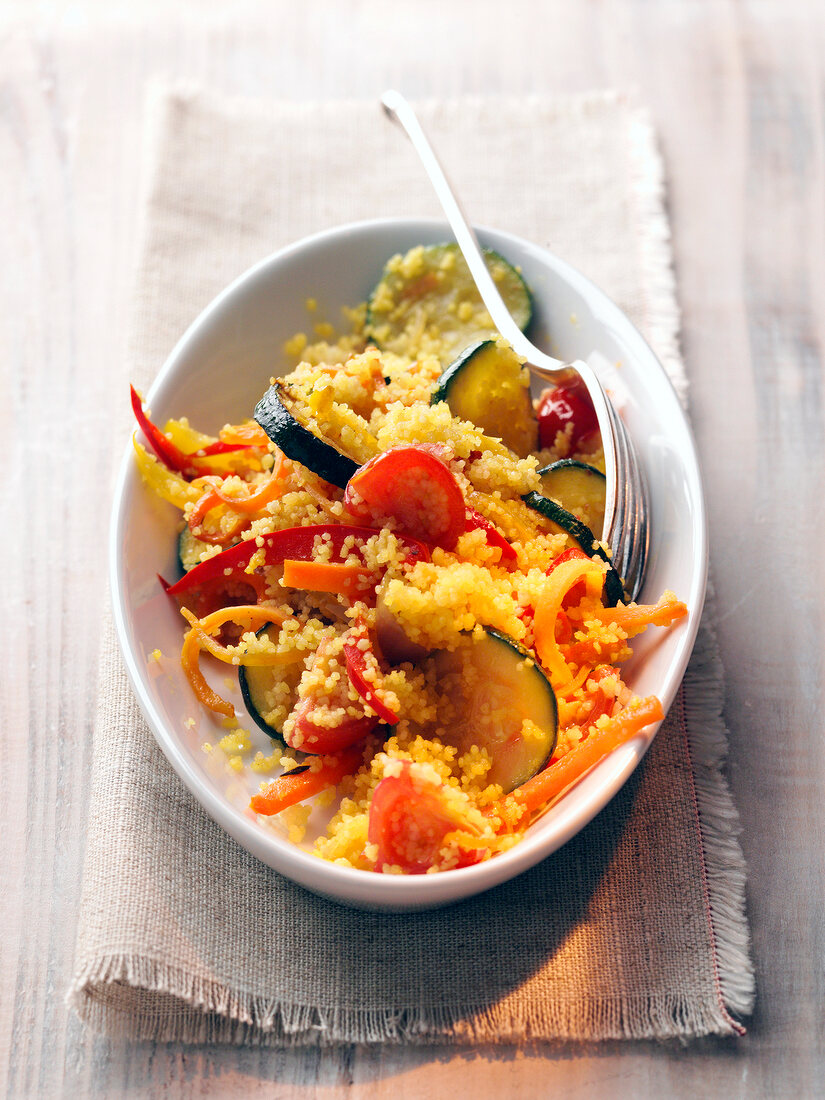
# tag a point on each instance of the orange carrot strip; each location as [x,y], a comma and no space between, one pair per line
[288,789]
[273,487]
[539,790]
[578,680]
[316,576]
[190,661]
[213,495]
[249,616]
[249,434]
[236,656]
[633,620]
[556,587]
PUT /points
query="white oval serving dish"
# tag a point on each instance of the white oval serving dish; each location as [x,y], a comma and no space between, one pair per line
[217,372]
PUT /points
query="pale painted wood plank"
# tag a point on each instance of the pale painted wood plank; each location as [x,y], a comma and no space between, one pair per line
[737,94]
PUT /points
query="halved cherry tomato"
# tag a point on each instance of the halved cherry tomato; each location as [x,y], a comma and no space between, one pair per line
[411,484]
[409,822]
[326,740]
[563,405]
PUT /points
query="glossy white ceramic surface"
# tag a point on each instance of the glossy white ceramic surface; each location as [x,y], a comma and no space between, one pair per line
[216,374]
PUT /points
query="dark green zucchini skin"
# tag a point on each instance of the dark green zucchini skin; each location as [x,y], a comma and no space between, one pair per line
[511,673]
[572,464]
[297,442]
[187,550]
[247,686]
[485,385]
[384,331]
[580,533]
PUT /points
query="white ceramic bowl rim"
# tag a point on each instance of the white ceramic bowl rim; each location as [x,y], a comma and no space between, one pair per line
[592,794]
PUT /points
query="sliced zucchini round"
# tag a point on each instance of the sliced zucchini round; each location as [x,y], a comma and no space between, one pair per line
[258,686]
[580,487]
[496,687]
[189,549]
[426,301]
[280,417]
[490,387]
[584,538]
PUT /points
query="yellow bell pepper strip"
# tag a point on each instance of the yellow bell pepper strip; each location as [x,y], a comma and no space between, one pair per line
[161,480]
[296,786]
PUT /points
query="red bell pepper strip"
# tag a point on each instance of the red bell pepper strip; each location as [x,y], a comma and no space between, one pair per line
[361,664]
[170,454]
[494,537]
[293,542]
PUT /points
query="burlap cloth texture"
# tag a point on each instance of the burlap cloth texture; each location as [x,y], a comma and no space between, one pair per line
[636,928]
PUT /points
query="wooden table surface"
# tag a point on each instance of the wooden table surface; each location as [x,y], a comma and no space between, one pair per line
[736,90]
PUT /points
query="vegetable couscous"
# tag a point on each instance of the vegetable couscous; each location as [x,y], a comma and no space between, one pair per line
[397,555]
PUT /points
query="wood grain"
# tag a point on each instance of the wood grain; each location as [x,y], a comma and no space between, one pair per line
[737,93]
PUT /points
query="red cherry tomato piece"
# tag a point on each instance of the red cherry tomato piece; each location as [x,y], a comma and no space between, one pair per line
[492,534]
[563,405]
[408,821]
[413,486]
[326,741]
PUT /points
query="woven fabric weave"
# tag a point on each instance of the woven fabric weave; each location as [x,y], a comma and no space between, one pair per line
[633,929]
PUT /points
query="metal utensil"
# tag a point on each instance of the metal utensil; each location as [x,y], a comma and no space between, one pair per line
[626,522]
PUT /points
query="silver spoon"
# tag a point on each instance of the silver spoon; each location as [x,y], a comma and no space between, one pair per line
[626,525]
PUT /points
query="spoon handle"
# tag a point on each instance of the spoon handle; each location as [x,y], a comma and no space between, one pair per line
[552,370]
[399,110]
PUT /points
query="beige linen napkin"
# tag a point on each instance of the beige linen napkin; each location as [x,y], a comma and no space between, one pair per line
[636,927]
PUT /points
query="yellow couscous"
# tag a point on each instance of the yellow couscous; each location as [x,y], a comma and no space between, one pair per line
[432,645]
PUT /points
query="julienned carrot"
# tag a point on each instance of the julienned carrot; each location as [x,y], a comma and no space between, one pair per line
[189,659]
[317,576]
[558,584]
[247,616]
[542,788]
[288,789]
[213,495]
[249,434]
[634,619]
